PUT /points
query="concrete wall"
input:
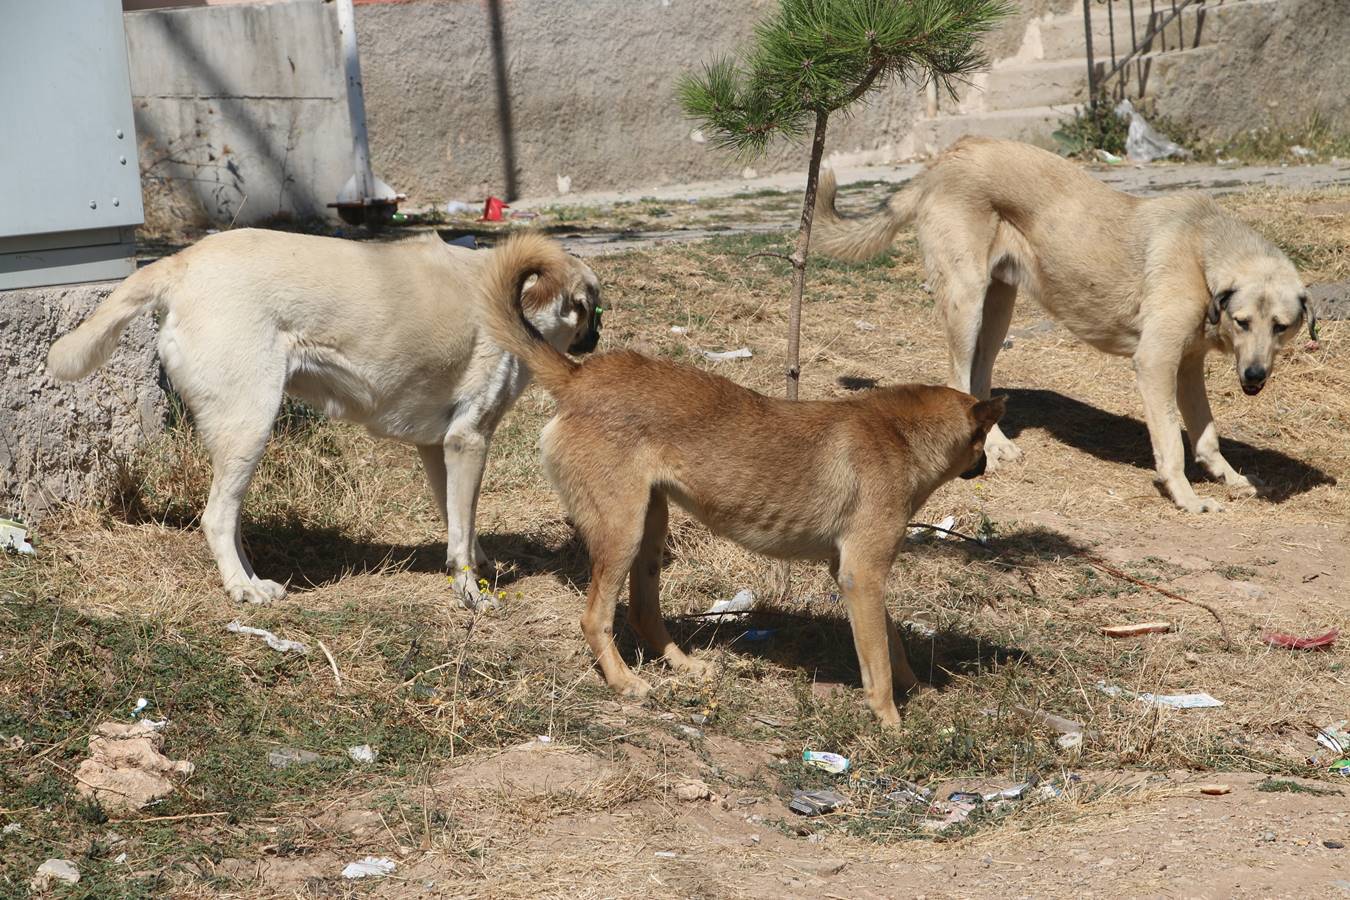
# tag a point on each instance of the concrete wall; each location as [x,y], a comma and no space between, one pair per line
[58,442]
[241,111]
[1278,65]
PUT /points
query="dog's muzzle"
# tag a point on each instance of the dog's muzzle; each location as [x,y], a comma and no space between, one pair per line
[976,470]
[1252,380]
[586,343]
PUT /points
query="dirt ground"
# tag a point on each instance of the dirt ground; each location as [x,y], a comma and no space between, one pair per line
[504,767]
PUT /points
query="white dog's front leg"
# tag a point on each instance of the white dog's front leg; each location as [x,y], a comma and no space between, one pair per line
[465,455]
[1199,421]
[1156,374]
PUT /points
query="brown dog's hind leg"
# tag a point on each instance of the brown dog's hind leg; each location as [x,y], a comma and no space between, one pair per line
[644,602]
[862,580]
[612,536]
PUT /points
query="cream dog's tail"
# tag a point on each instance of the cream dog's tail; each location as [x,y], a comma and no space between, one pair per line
[508,305]
[87,347]
[855,240]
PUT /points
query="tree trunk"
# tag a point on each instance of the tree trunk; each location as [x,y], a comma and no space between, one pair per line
[798,258]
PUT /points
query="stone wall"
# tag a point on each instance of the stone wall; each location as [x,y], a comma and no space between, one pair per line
[59,441]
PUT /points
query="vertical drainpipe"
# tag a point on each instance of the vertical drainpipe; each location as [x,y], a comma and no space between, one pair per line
[364,190]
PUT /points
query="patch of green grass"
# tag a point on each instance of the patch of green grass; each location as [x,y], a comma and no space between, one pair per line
[1285,786]
[1093,128]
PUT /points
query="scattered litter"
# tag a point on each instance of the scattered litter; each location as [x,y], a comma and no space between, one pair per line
[272,640]
[678,329]
[757,634]
[689,731]
[1144,143]
[690,790]
[362,754]
[666,854]
[864,326]
[816,803]
[767,720]
[1107,156]
[290,756]
[53,870]
[1064,726]
[1302,152]
[1216,790]
[1293,642]
[1016,792]
[14,538]
[125,770]
[1340,767]
[941,530]
[11,828]
[564,184]
[1176,701]
[468,241]
[830,762]
[922,624]
[544,739]
[727,610]
[370,867]
[1334,737]
[702,718]
[1071,742]
[1333,845]
[492,209]
[458,208]
[1124,631]
[952,813]
[141,703]
[120,858]
[524,215]
[725,355]
[907,793]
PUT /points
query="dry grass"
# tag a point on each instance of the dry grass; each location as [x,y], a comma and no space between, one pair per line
[123,602]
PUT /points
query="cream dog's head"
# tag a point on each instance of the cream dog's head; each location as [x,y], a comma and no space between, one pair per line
[569,320]
[1256,307]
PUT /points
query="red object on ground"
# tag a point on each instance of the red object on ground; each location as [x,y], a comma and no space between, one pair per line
[1292,642]
[492,209]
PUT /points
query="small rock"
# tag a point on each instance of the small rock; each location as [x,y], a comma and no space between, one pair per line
[1191,658]
[689,731]
[290,756]
[822,868]
[691,790]
[1215,790]
[363,754]
[1333,845]
[1267,837]
[1248,589]
[52,871]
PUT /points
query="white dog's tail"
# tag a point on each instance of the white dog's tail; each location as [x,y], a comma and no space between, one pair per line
[856,240]
[86,348]
[508,304]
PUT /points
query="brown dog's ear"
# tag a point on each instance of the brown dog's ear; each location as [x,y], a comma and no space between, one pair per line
[1217,304]
[987,412]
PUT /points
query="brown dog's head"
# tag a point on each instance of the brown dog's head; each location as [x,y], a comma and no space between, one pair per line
[570,320]
[983,415]
[1257,306]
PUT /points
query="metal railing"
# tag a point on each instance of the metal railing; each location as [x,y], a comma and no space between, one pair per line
[1147,32]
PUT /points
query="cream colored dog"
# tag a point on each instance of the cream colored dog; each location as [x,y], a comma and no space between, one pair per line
[830,480]
[385,335]
[1163,281]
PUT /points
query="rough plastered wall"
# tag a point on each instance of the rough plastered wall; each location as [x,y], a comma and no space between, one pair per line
[59,441]
[591,85]
[241,112]
[1278,65]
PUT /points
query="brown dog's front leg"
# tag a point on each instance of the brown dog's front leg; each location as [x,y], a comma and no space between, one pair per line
[863,583]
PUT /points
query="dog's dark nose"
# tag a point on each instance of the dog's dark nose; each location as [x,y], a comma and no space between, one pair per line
[976,470]
[585,344]
[1253,379]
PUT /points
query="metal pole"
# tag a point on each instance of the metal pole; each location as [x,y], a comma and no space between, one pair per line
[498,35]
[1092,69]
[356,100]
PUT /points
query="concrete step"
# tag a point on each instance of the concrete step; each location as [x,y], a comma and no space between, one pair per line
[1065,81]
[1062,37]
[1031,124]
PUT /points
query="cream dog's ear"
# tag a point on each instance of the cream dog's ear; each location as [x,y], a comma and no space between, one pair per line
[1217,304]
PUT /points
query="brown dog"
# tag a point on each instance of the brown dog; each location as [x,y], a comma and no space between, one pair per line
[830,480]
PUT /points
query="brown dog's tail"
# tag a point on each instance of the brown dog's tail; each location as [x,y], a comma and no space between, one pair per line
[508,305]
[87,347]
[855,240]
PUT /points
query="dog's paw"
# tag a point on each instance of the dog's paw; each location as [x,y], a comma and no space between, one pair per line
[998,452]
[697,668]
[633,687]
[252,592]
[1200,505]
[270,589]
[470,593]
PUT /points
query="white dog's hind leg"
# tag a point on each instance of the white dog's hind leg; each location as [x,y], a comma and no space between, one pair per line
[998,310]
[1195,411]
[1155,365]
[235,444]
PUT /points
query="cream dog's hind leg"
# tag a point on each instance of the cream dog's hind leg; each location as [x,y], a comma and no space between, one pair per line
[995,319]
[1195,412]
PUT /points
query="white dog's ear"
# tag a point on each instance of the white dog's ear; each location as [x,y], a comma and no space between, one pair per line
[1217,304]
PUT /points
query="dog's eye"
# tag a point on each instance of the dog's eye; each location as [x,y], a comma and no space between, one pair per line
[1244,324]
[1280,327]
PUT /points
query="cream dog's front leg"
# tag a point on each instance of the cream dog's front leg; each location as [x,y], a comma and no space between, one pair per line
[1200,428]
[1155,367]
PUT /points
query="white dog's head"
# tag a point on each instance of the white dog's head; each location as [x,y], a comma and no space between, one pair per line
[1257,305]
[571,320]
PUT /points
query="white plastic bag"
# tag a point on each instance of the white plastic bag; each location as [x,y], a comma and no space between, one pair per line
[1144,143]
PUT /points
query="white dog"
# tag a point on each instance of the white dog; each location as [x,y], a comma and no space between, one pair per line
[385,335]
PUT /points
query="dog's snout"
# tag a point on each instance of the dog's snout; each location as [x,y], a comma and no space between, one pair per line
[978,469]
[586,343]
[1253,379]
